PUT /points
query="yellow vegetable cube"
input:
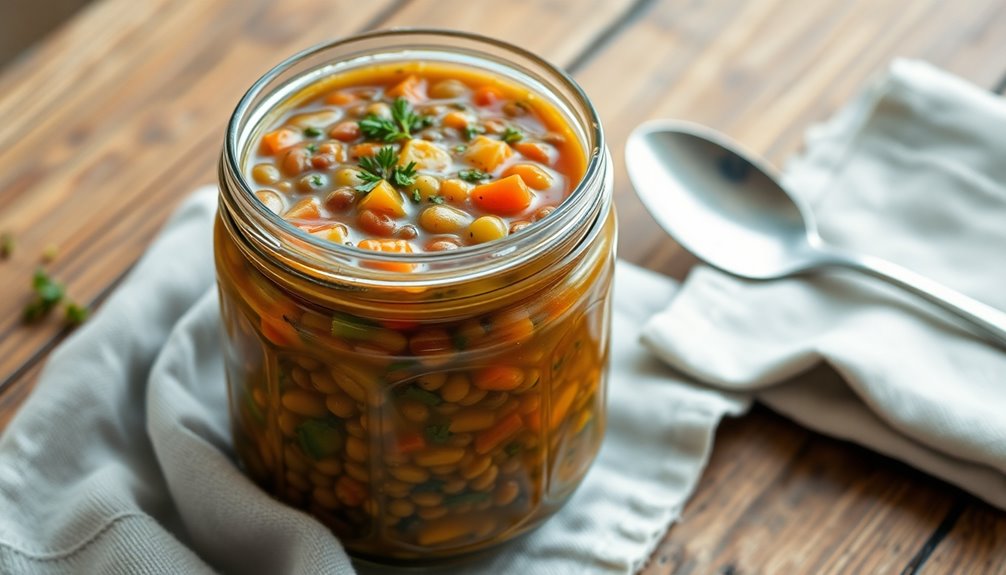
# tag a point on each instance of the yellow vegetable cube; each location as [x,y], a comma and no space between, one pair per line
[487,154]
[383,198]
[427,156]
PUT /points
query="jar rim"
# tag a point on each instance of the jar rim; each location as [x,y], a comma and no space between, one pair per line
[315,253]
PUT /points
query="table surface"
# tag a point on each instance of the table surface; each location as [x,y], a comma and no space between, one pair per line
[119,113]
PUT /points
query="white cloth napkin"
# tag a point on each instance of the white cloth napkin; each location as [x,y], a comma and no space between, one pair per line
[120,461]
[911,171]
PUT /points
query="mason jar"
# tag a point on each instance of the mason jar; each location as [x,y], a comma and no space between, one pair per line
[427,414]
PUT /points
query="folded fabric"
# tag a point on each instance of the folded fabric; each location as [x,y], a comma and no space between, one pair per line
[911,171]
[120,461]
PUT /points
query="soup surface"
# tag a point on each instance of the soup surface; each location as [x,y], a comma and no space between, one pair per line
[415,157]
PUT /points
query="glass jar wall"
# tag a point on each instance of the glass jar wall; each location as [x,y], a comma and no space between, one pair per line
[426,414]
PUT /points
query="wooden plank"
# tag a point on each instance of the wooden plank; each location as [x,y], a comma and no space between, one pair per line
[762,72]
[106,139]
[974,544]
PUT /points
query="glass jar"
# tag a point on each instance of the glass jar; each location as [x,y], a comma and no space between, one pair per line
[427,414]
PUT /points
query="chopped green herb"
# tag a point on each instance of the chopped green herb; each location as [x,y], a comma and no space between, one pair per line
[462,498]
[48,294]
[384,166]
[513,448]
[320,437]
[400,126]
[472,130]
[416,197]
[473,175]
[421,395]
[6,245]
[312,132]
[76,314]
[436,200]
[317,181]
[351,327]
[512,135]
[460,149]
[438,433]
[312,148]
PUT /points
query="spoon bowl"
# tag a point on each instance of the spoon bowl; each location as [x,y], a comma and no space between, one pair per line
[727,208]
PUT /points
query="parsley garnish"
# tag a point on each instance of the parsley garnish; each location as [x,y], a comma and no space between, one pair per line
[312,132]
[416,196]
[384,166]
[512,135]
[472,130]
[48,294]
[312,148]
[76,314]
[436,200]
[473,175]
[404,120]
[460,149]
[438,433]
[317,181]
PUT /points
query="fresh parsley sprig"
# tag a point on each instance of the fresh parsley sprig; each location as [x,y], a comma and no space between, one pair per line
[403,122]
[384,166]
[512,135]
[473,175]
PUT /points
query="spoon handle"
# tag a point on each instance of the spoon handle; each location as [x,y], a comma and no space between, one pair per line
[990,321]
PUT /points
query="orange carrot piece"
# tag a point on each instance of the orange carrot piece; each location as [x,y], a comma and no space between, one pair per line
[506,196]
[491,438]
[535,177]
[305,209]
[341,98]
[486,95]
[456,119]
[409,443]
[412,88]
[561,406]
[537,151]
[365,149]
[280,139]
[391,247]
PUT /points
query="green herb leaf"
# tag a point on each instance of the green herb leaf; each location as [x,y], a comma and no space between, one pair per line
[320,438]
[438,433]
[349,326]
[384,166]
[403,122]
[317,181]
[312,132]
[48,294]
[472,130]
[422,396]
[404,175]
[511,135]
[416,197]
[76,314]
[311,148]
[473,175]
[460,149]
[462,498]
[436,200]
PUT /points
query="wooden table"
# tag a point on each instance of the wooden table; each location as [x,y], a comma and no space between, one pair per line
[118,114]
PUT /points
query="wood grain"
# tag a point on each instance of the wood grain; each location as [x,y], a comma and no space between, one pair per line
[112,119]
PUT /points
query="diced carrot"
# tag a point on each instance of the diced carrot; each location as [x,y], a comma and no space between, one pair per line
[535,177]
[506,196]
[486,95]
[280,139]
[384,199]
[493,437]
[340,98]
[365,149]
[498,378]
[410,442]
[279,332]
[389,246]
[412,88]
[456,119]
[537,151]
[305,209]
[487,153]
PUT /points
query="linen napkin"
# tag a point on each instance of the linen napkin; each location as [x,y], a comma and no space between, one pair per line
[121,462]
[911,171]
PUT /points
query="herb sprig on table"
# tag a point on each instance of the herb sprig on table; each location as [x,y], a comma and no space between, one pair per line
[384,166]
[400,126]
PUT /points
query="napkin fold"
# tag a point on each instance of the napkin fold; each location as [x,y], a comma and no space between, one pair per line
[121,462]
[911,171]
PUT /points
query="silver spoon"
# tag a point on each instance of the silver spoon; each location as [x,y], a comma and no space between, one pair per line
[726,207]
